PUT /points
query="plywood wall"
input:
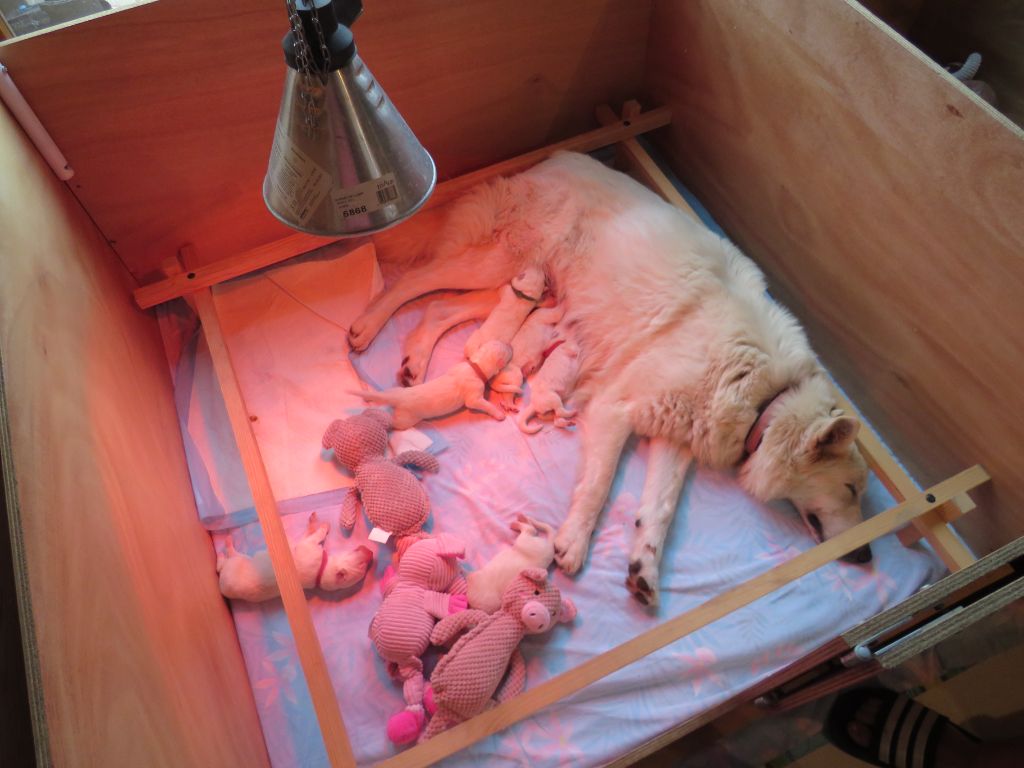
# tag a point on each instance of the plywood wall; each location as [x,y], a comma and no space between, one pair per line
[884,204]
[133,656]
[167,111]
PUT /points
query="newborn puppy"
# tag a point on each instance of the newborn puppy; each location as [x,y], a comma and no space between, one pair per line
[252,578]
[440,317]
[462,385]
[533,548]
[529,346]
[515,302]
[551,387]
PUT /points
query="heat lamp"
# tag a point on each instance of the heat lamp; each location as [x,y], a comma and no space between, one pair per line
[344,162]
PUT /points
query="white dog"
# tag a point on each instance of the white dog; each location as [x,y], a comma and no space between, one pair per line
[533,548]
[515,302]
[252,578]
[464,384]
[681,344]
[551,387]
[440,317]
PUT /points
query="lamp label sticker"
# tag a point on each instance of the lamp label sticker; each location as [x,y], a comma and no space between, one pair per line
[365,198]
[298,180]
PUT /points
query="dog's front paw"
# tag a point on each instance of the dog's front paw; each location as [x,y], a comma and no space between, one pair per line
[362,332]
[412,371]
[642,579]
[571,546]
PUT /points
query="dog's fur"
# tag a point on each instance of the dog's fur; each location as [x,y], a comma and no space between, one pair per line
[533,548]
[251,578]
[679,340]
[459,386]
[515,302]
[551,387]
[440,317]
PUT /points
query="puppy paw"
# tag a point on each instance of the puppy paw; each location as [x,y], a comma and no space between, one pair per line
[571,546]
[362,332]
[412,371]
[642,579]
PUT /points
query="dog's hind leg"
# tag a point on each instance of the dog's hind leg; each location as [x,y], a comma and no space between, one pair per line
[605,431]
[486,267]
[439,318]
[666,471]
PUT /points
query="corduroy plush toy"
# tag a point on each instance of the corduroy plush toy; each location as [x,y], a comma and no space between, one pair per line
[427,586]
[466,680]
[392,496]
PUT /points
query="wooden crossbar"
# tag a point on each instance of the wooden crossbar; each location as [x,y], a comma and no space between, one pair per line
[321,691]
[932,525]
[567,683]
[240,264]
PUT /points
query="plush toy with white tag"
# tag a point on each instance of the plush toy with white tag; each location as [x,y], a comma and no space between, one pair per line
[390,494]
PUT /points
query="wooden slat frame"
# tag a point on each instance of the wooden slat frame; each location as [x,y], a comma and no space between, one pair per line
[321,690]
[914,504]
[225,269]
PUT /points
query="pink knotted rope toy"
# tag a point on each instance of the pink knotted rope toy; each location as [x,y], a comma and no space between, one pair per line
[427,586]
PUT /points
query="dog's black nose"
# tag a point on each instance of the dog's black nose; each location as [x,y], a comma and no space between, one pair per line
[862,555]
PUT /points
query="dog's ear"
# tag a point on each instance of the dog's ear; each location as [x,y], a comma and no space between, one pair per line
[834,436]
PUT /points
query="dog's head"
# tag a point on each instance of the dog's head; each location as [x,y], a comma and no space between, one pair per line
[808,455]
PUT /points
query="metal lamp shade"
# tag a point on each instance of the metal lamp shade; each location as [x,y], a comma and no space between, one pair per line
[362,170]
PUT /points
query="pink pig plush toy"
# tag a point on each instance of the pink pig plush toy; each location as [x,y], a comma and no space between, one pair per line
[392,496]
[466,679]
[427,586]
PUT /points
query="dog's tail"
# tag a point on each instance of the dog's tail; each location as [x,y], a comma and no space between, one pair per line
[386,396]
[523,421]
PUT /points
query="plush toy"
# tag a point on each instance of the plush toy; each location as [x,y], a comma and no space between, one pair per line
[466,680]
[533,548]
[428,585]
[393,498]
[252,578]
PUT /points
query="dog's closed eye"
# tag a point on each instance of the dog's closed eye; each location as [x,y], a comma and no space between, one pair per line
[853,490]
[816,525]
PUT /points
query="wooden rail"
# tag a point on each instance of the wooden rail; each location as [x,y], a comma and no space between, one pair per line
[240,264]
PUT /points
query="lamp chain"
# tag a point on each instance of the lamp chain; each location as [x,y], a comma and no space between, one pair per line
[309,91]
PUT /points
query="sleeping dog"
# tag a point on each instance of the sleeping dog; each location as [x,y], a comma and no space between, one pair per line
[680,343]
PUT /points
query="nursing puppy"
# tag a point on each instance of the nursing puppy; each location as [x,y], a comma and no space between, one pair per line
[515,302]
[681,344]
[251,578]
[439,318]
[529,346]
[551,387]
[461,385]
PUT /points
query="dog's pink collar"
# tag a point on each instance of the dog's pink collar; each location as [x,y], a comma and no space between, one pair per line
[547,352]
[323,566]
[479,372]
[761,423]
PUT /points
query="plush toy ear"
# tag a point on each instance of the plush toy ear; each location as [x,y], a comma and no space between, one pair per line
[450,546]
[331,434]
[567,612]
[834,436]
[383,417]
[536,575]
